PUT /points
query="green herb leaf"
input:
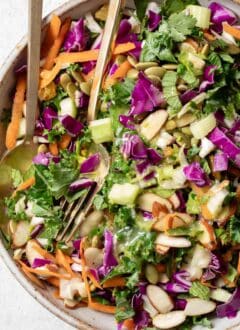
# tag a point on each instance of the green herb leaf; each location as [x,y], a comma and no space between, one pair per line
[199,290]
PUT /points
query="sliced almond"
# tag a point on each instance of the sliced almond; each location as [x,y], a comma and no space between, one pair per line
[159,299]
[174,199]
[176,242]
[161,249]
[72,287]
[32,253]
[185,120]
[93,257]
[71,304]
[169,320]
[91,222]
[153,124]
[207,238]
[196,306]
[21,234]
[146,200]
[148,307]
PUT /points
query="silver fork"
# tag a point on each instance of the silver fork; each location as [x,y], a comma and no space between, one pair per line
[75,212]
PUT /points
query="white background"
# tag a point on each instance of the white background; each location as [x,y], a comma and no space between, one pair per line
[18,310]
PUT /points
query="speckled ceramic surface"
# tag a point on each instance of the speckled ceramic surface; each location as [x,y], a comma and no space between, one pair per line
[81,318]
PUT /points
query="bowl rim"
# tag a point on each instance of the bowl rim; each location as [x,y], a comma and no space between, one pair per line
[4,254]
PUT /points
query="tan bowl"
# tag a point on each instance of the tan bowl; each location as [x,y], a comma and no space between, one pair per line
[82,318]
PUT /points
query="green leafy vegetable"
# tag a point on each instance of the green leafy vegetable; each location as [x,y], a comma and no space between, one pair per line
[193,204]
[234,229]
[17,178]
[170,91]
[199,290]
[169,7]
[141,6]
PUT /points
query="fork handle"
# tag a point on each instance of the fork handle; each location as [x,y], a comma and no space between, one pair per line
[110,28]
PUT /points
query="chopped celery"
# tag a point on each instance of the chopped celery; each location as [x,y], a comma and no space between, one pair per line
[202,127]
[123,194]
[101,130]
[201,14]
[165,172]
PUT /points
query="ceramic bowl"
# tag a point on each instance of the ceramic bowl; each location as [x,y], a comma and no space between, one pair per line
[82,318]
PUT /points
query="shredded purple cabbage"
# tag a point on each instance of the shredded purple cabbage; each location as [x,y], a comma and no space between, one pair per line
[220,162]
[109,261]
[48,116]
[80,184]
[90,164]
[37,262]
[153,20]
[215,267]
[188,96]
[127,121]
[45,159]
[220,14]
[77,37]
[231,307]
[208,78]
[196,174]
[72,126]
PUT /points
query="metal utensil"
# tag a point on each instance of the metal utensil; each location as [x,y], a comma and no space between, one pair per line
[21,156]
[78,210]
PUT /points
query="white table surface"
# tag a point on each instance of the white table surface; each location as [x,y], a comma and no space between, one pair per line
[18,310]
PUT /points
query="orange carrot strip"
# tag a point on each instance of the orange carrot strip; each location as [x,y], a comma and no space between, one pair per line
[13,127]
[51,34]
[53,148]
[231,30]
[54,281]
[238,266]
[93,279]
[54,50]
[114,282]
[89,76]
[209,36]
[26,184]
[84,56]
[65,141]
[102,308]
[123,48]
[56,294]
[33,278]
[62,261]
[45,254]
[44,272]
[47,76]
[129,324]
[121,72]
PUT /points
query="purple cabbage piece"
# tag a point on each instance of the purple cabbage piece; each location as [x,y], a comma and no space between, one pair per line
[142,286]
[154,156]
[225,144]
[141,320]
[72,126]
[208,78]
[48,116]
[215,267]
[182,207]
[180,283]
[133,147]
[231,307]
[220,14]
[37,230]
[235,127]
[196,174]
[123,31]
[90,65]
[113,69]
[180,304]
[37,262]
[188,96]
[220,162]
[106,294]
[39,128]
[90,164]
[175,288]
[81,100]
[137,50]
[45,158]
[109,261]
[145,96]
[76,244]
[77,37]
[127,121]
[80,184]
[147,215]
[137,301]
[153,20]
[142,166]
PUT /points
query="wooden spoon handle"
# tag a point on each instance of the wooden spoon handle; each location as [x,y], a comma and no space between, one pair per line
[111,25]
[34,44]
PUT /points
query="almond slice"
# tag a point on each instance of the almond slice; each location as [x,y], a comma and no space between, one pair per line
[176,242]
[145,202]
[196,306]
[207,238]
[21,234]
[153,123]
[161,249]
[169,320]
[159,299]
[148,307]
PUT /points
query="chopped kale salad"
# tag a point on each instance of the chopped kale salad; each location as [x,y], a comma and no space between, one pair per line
[160,247]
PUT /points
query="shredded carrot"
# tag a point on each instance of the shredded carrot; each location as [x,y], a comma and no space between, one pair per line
[63,261]
[231,30]
[129,324]
[53,148]
[13,127]
[93,279]
[43,253]
[102,308]
[207,284]
[123,48]
[209,36]
[54,50]
[56,294]
[238,266]
[121,72]
[43,272]
[33,278]
[161,268]
[51,34]
[65,141]
[84,56]
[54,281]
[114,282]
[26,184]
[47,76]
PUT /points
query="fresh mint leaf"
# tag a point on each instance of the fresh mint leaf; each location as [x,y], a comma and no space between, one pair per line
[181,25]
[199,290]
